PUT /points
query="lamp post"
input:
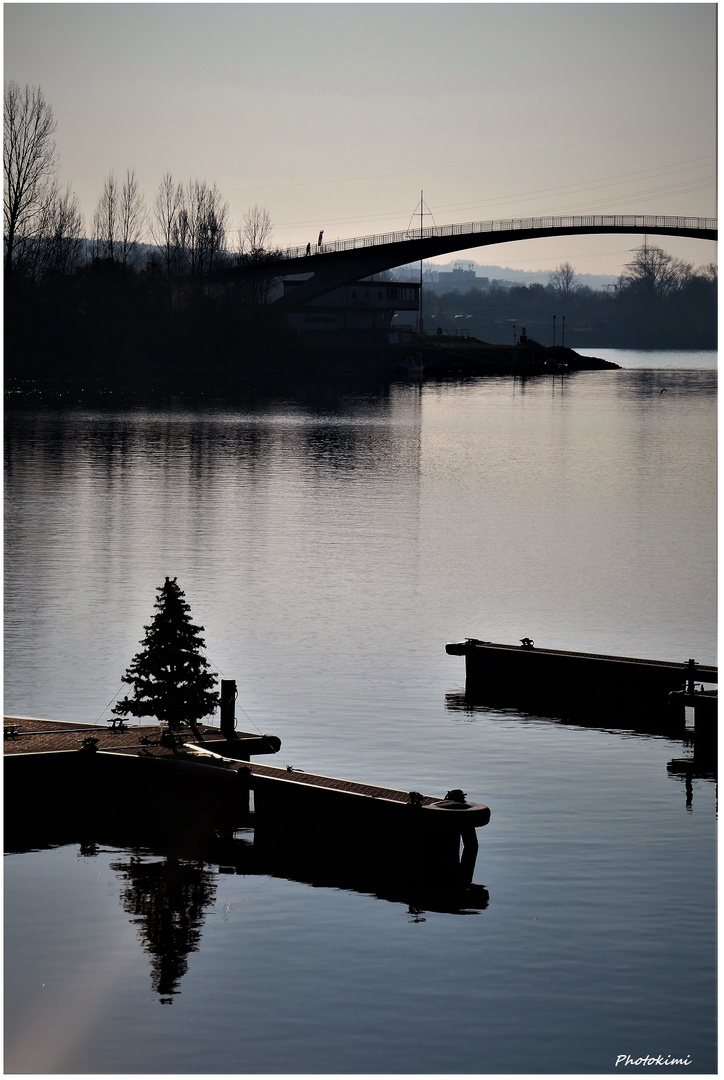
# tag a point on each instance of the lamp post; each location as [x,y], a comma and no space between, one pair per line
[554,331]
[563,331]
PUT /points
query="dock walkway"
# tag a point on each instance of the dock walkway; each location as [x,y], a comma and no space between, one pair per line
[32,735]
[35,736]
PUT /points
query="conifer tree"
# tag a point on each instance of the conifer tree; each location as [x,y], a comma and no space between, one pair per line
[169,676]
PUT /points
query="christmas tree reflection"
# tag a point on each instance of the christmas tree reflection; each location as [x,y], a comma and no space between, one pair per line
[167,901]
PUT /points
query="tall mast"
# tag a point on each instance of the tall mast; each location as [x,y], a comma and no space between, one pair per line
[419,322]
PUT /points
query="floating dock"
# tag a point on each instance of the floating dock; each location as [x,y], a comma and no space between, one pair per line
[578,683]
[85,773]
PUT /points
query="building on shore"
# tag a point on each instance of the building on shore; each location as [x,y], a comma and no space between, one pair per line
[389,308]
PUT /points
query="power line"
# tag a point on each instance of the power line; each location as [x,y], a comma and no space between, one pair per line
[478,161]
[607,181]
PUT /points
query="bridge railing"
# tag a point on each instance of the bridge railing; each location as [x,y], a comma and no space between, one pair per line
[583,221]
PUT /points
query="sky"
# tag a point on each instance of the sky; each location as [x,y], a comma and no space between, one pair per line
[338,116]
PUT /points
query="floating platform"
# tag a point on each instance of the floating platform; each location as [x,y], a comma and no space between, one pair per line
[379,824]
[576,683]
[86,775]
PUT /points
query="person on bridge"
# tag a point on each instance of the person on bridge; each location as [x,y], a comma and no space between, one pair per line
[319,241]
[309,249]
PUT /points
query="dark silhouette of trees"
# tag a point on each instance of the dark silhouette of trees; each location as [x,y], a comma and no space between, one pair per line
[61,233]
[29,165]
[166,207]
[146,285]
[563,279]
[132,218]
[170,677]
[255,233]
[254,253]
[661,301]
[55,250]
[653,274]
[200,229]
[658,302]
[106,224]
[119,220]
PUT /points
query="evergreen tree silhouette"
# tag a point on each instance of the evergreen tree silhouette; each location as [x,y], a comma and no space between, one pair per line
[170,677]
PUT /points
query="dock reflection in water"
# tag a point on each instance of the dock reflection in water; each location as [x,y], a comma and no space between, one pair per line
[168,885]
[700,762]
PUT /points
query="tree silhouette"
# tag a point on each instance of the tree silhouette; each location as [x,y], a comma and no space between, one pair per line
[29,163]
[562,279]
[170,677]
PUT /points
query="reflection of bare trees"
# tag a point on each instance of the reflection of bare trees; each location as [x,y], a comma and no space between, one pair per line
[167,901]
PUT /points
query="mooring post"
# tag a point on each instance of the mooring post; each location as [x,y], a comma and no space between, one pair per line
[228,700]
[691,674]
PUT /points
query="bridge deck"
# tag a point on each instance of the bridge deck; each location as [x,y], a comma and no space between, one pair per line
[339,262]
[486,231]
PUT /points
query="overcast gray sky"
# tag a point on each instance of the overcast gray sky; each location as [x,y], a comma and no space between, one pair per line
[336,116]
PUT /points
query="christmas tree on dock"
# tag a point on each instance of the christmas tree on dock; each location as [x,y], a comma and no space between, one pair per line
[170,678]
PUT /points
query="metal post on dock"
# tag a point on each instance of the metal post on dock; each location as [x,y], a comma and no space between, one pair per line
[228,702]
[690,676]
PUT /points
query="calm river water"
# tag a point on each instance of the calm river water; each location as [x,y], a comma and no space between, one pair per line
[330,551]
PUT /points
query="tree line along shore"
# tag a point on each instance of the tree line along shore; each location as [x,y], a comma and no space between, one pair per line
[136,294]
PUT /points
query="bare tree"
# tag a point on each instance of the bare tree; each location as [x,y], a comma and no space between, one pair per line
[255,232]
[58,247]
[562,279]
[106,221]
[195,206]
[200,229]
[131,217]
[29,163]
[213,228]
[654,272]
[254,252]
[164,222]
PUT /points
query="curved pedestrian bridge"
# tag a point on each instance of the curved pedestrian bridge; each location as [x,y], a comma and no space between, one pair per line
[480,233]
[327,266]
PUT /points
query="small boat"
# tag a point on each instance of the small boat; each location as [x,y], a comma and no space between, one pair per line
[413,364]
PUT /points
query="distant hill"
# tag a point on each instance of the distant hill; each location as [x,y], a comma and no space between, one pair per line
[527,277]
[500,274]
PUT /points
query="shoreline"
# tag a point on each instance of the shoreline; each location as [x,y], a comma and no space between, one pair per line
[310,368]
